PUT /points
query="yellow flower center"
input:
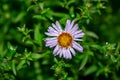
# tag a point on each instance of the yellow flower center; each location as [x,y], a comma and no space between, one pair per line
[65,40]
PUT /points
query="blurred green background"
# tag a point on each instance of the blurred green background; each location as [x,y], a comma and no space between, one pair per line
[23,55]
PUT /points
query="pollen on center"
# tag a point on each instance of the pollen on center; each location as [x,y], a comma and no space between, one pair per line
[65,40]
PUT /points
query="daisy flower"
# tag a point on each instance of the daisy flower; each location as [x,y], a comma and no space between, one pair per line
[64,41]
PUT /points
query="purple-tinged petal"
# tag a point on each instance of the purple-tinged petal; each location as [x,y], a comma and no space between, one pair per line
[77,47]
[59,51]
[49,39]
[52,30]
[51,34]
[54,26]
[74,29]
[72,51]
[69,56]
[51,44]
[67,25]
[71,25]
[77,32]
[79,35]
[58,26]
[64,54]
[56,50]
[76,39]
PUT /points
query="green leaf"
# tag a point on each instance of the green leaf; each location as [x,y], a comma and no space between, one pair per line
[13,67]
[60,15]
[54,67]
[1,48]
[29,42]
[20,65]
[113,58]
[12,50]
[39,17]
[117,48]
[65,74]
[36,56]
[92,34]
[55,60]
[90,53]
[70,2]
[19,17]
[67,65]
[31,7]
[96,46]
[37,35]
[100,71]
[72,12]
[84,61]
[90,70]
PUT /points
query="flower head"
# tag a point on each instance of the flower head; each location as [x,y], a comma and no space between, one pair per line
[64,41]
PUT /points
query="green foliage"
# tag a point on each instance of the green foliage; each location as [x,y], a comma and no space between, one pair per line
[23,55]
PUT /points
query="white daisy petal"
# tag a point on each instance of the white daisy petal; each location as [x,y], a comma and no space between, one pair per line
[77,47]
